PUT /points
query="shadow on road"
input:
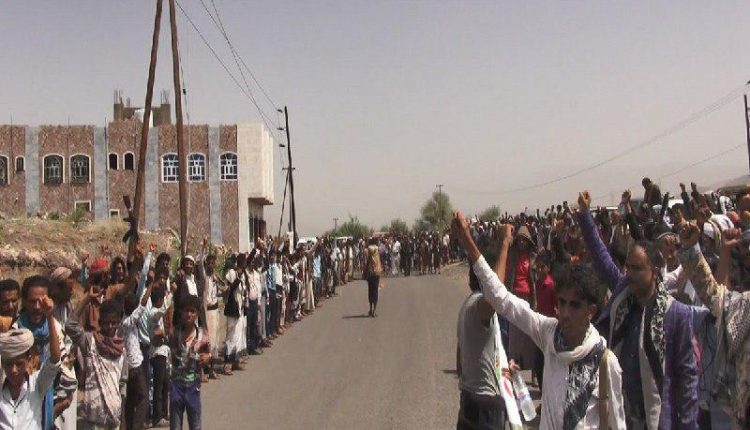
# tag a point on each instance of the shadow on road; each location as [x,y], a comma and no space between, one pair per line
[450,372]
[349,317]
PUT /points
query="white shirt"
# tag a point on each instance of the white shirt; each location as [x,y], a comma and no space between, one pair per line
[253,288]
[211,292]
[129,332]
[156,321]
[541,330]
[26,411]
[192,287]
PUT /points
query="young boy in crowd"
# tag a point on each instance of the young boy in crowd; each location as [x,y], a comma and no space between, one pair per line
[103,361]
[190,351]
[23,396]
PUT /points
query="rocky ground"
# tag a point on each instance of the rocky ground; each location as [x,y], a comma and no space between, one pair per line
[34,245]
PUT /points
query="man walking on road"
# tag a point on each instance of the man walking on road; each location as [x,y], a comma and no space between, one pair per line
[373,269]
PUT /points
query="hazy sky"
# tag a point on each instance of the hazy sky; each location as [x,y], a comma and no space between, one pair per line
[389,98]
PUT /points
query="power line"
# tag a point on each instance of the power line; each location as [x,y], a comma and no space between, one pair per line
[252,75]
[264,117]
[682,169]
[220,26]
[713,107]
[717,155]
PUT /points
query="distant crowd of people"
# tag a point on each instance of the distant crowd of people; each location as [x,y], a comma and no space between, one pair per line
[127,342]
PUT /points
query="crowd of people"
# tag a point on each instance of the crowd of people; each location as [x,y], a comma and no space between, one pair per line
[635,316]
[124,342]
[418,253]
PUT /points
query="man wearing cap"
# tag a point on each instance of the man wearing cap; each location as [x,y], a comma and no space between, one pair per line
[212,285]
[187,285]
[61,291]
[23,396]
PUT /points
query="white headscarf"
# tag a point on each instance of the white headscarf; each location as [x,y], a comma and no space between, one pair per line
[16,342]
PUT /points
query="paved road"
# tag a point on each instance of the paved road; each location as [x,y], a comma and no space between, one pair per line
[339,369]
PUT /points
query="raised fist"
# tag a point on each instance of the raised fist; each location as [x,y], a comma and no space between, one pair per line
[584,200]
[689,234]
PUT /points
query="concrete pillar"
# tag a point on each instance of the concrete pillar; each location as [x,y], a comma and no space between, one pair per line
[32,170]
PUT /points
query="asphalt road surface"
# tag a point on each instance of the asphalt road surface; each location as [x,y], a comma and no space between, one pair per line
[339,369]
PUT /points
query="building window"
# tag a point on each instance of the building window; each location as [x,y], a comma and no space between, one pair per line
[79,169]
[196,167]
[169,170]
[53,169]
[228,166]
[129,161]
[20,164]
[114,214]
[84,204]
[114,161]
[4,174]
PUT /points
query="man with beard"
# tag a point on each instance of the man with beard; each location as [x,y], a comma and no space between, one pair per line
[649,331]
[34,298]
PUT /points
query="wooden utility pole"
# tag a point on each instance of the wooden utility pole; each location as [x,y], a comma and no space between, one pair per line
[140,173]
[747,128]
[292,206]
[283,201]
[181,156]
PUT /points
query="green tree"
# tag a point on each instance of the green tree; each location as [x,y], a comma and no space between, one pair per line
[398,227]
[353,227]
[490,214]
[436,213]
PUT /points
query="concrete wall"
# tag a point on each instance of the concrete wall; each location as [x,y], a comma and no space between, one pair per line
[123,137]
[198,198]
[13,195]
[65,141]
[255,178]
[217,208]
[255,158]
[230,217]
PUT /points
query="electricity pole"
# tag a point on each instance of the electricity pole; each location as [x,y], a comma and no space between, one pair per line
[335,224]
[292,206]
[181,155]
[139,179]
[747,127]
